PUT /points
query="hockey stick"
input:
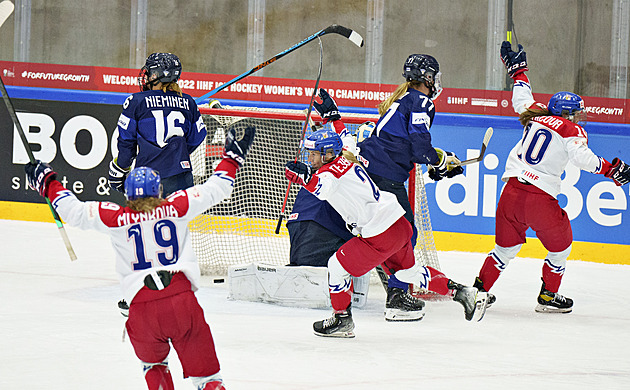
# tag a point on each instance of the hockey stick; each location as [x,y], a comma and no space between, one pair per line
[382,276]
[353,36]
[306,123]
[17,124]
[6,8]
[484,145]
[510,36]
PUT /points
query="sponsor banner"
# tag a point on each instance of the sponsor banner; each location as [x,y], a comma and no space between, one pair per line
[76,138]
[281,90]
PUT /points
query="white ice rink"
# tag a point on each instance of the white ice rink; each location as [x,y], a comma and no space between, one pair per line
[62,330]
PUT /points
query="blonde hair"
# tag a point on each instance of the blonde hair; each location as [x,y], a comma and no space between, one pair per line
[172,86]
[531,113]
[351,157]
[145,204]
[397,94]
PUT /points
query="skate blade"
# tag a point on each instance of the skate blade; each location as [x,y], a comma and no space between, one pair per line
[481,305]
[550,309]
[340,335]
[396,315]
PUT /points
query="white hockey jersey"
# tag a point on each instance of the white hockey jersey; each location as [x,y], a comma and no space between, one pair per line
[547,145]
[148,242]
[351,192]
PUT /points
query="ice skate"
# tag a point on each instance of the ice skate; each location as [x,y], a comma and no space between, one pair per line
[474,301]
[549,302]
[479,286]
[402,306]
[339,325]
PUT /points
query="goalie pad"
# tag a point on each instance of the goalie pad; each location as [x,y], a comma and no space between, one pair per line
[296,286]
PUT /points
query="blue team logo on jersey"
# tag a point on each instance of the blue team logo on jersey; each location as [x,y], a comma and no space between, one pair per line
[419,118]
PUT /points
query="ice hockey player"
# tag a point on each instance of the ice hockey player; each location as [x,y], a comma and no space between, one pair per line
[383,235]
[159,127]
[402,139]
[552,137]
[316,230]
[155,260]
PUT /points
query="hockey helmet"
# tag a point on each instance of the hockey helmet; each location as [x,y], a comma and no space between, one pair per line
[159,67]
[142,182]
[424,68]
[568,105]
[323,141]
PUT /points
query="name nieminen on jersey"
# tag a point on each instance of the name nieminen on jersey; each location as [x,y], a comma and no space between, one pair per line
[166,101]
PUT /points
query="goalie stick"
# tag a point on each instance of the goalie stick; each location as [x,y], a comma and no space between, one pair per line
[306,123]
[484,145]
[16,122]
[353,36]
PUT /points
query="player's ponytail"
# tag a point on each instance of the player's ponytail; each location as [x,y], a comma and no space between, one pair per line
[145,204]
[351,157]
[172,86]
[532,112]
[397,94]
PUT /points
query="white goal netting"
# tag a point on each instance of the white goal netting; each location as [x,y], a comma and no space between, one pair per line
[241,229]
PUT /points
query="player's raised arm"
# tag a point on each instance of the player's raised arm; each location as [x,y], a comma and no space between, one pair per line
[219,186]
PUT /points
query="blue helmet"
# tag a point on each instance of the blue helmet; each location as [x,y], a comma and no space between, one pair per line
[424,68]
[565,103]
[159,67]
[324,140]
[142,182]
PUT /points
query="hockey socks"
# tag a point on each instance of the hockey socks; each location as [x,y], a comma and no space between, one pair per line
[491,270]
[158,376]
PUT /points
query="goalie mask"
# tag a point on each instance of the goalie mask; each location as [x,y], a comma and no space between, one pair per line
[159,67]
[424,68]
[143,182]
[567,105]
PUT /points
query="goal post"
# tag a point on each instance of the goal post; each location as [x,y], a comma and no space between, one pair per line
[241,229]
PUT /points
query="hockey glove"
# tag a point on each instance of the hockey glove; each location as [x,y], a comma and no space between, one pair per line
[298,172]
[237,149]
[117,176]
[328,108]
[39,174]
[515,62]
[448,166]
[619,172]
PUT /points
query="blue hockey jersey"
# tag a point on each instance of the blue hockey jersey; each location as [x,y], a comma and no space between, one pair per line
[159,130]
[401,138]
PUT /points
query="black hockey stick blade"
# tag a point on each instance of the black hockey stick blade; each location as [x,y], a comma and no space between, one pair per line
[484,145]
[353,36]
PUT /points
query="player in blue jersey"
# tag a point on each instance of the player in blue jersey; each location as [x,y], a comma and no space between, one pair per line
[402,139]
[159,127]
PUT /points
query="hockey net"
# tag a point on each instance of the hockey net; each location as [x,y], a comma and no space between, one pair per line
[241,229]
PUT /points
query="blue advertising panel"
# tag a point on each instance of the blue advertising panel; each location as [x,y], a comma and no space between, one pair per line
[597,207]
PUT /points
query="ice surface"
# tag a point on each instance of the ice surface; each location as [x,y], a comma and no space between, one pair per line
[62,329]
